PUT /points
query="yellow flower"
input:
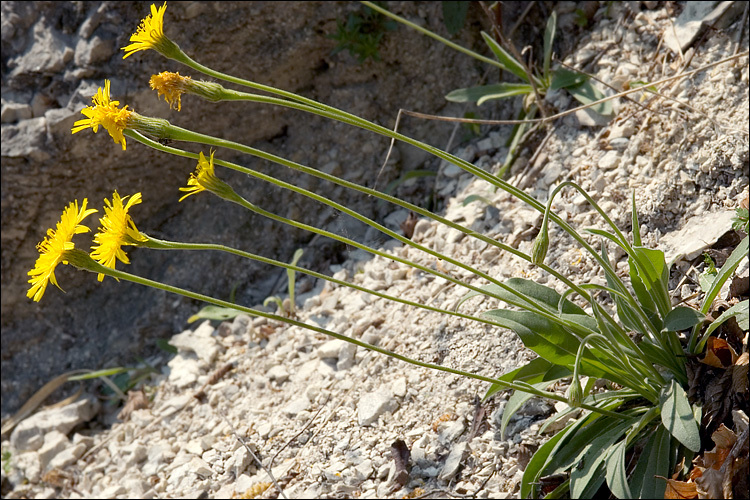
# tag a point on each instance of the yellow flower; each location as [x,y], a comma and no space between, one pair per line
[171,85]
[117,229]
[150,34]
[203,177]
[52,249]
[106,113]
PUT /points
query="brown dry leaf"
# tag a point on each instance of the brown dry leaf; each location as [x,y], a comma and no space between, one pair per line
[719,353]
[709,484]
[137,400]
[718,401]
[739,374]
[724,437]
[408,225]
[680,489]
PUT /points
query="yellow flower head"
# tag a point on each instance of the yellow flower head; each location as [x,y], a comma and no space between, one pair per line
[106,113]
[117,229]
[171,85]
[150,34]
[203,178]
[51,250]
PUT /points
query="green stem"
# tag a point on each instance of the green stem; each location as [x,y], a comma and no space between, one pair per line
[342,116]
[182,134]
[157,244]
[82,260]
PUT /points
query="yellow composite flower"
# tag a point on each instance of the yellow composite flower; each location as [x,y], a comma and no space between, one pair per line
[171,85]
[106,113]
[117,229]
[203,178]
[150,34]
[52,248]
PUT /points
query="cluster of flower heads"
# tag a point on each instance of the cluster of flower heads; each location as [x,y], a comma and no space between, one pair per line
[118,229]
[117,226]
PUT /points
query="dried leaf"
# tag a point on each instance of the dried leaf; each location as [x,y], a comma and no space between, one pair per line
[724,437]
[680,489]
[709,484]
[137,400]
[719,353]
[408,225]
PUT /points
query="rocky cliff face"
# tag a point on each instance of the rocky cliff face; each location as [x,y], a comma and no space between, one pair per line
[55,56]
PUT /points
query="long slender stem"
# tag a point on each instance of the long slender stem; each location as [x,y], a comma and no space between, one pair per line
[158,244]
[82,260]
[522,302]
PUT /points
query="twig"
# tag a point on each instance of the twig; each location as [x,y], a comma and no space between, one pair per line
[255,457]
[520,19]
[308,424]
[742,30]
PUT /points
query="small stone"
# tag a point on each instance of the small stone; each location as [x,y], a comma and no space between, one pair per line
[453,462]
[330,349]
[610,160]
[199,341]
[297,405]
[278,373]
[399,387]
[372,405]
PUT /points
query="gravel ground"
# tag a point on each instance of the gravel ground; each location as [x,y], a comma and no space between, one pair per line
[323,415]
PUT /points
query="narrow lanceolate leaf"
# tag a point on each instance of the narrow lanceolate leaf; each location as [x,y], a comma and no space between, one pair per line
[536,370]
[484,93]
[616,474]
[653,462]
[587,475]
[504,58]
[677,416]
[586,93]
[681,318]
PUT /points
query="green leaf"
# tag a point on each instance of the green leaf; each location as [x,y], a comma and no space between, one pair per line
[616,474]
[454,15]
[595,452]
[505,59]
[634,219]
[563,78]
[485,93]
[586,93]
[653,462]
[739,253]
[654,275]
[627,314]
[537,295]
[549,37]
[536,370]
[677,416]
[570,452]
[214,312]
[739,311]
[290,275]
[682,318]
[533,471]
[550,341]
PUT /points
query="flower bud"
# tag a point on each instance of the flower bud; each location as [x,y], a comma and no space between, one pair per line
[541,245]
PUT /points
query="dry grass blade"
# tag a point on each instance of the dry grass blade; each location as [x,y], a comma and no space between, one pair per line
[39,397]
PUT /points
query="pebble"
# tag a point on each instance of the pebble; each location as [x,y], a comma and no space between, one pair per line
[374,404]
